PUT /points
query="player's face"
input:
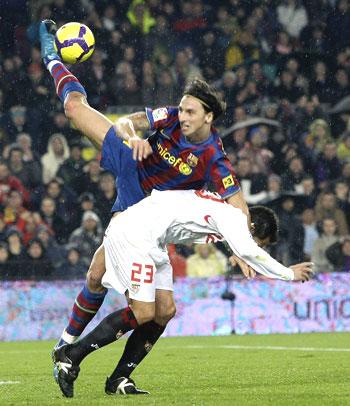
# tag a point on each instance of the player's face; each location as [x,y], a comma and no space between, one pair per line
[193,118]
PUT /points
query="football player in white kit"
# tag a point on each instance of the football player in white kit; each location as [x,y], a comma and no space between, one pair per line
[137,264]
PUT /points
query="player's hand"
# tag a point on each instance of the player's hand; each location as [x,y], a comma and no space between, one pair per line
[247,270]
[303,271]
[141,149]
[124,128]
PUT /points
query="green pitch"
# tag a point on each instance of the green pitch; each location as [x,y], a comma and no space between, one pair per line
[301,369]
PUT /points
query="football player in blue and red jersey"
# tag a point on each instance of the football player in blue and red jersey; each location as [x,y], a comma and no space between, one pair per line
[184,152]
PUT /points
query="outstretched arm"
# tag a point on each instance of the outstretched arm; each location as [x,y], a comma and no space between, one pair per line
[233,227]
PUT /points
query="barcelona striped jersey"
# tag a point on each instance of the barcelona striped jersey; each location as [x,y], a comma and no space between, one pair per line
[178,164]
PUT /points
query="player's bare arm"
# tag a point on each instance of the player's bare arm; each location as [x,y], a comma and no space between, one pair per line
[126,128]
[237,200]
[87,120]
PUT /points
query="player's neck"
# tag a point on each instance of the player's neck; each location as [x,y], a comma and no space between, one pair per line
[199,136]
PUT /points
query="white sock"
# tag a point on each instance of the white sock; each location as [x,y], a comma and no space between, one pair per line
[68,338]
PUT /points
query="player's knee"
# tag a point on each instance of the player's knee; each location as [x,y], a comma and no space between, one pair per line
[72,104]
[166,314]
[94,278]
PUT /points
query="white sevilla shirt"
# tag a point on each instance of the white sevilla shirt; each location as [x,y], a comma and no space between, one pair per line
[177,216]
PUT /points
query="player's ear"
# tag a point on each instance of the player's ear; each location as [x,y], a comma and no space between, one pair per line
[209,117]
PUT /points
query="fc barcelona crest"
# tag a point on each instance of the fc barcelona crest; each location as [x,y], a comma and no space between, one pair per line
[192,160]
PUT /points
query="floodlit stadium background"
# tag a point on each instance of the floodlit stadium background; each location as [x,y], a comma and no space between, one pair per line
[284,73]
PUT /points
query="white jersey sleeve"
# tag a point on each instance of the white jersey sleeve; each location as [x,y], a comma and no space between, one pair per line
[231,223]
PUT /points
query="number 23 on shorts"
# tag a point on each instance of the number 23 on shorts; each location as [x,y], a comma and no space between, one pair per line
[142,273]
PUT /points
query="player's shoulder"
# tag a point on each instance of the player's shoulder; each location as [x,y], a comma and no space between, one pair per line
[217,143]
[163,113]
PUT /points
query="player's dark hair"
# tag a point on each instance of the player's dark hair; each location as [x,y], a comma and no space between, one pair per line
[265,223]
[209,96]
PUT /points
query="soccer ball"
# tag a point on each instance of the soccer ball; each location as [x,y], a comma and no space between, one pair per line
[74,42]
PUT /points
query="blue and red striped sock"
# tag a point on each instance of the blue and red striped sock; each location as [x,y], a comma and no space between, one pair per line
[65,81]
[85,307]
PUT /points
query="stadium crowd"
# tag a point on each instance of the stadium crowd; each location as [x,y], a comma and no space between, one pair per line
[282,67]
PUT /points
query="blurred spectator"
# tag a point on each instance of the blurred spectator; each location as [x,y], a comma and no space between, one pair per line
[60,125]
[86,202]
[242,50]
[165,89]
[57,153]
[88,236]
[292,15]
[338,25]
[343,151]
[340,87]
[307,110]
[72,267]
[291,241]
[257,152]
[310,232]
[96,80]
[318,136]
[345,174]
[72,169]
[39,86]
[253,184]
[24,141]
[293,176]
[309,191]
[207,261]
[91,177]
[28,225]
[283,49]
[326,207]
[328,237]
[328,166]
[237,140]
[190,23]
[184,70]
[209,50]
[106,197]
[140,16]
[64,199]
[52,220]
[54,251]
[341,190]
[15,245]
[339,254]
[14,211]
[8,182]
[29,173]
[320,83]
[274,188]
[36,265]
[148,83]
[4,256]
[286,87]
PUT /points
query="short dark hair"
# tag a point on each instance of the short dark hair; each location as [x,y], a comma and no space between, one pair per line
[209,96]
[265,223]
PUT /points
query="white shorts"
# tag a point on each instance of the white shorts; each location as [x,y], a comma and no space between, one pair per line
[131,268]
